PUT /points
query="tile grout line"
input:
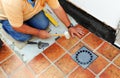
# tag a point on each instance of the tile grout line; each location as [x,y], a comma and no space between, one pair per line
[7,58]
[114,60]
[26,64]
[61,46]
[72,71]
[92,71]
[97,77]
[71,54]
[61,55]
[91,47]
[60,70]
[103,57]
[115,57]
[74,44]
[22,63]
[81,40]
[37,75]
[85,35]
[16,70]
[67,51]
[47,60]
[110,62]
[53,63]
[116,66]
[94,51]
[104,69]
[4,72]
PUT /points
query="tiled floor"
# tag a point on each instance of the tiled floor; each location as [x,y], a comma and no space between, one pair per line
[56,61]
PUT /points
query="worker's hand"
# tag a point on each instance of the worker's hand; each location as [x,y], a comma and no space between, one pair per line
[43,34]
[76,31]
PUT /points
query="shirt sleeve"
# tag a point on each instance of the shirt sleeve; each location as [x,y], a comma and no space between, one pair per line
[13,12]
[53,3]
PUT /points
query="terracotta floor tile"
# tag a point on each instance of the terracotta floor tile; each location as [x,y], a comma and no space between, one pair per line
[66,64]
[2,75]
[39,63]
[108,50]
[53,52]
[98,65]
[24,72]
[11,64]
[117,61]
[52,72]
[67,43]
[76,48]
[92,40]
[4,52]
[81,73]
[111,72]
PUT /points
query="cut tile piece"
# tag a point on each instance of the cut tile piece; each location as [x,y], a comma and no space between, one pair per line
[98,65]
[39,63]
[117,61]
[52,72]
[84,57]
[111,72]
[81,73]
[5,52]
[108,50]
[2,74]
[92,40]
[66,64]
[11,64]
[53,52]
[23,72]
[67,43]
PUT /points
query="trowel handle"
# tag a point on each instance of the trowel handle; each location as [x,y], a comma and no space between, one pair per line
[30,42]
[57,35]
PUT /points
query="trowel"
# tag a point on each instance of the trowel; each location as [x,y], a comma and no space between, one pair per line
[40,44]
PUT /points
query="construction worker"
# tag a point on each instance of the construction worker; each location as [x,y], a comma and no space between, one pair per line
[23,18]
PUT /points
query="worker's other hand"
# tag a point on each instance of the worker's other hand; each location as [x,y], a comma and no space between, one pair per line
[76,31]
[43,34]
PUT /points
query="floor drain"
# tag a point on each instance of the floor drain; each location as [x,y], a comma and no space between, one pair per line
[84,57]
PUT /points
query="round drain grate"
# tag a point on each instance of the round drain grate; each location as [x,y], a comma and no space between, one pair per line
[84,57]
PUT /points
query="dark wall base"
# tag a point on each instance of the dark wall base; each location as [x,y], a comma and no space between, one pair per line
[89,22]
[1,43]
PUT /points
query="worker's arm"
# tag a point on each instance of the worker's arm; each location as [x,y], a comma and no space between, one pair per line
[63,17]
[33,31]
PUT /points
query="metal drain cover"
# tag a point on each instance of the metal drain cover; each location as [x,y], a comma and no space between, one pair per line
[84,57]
